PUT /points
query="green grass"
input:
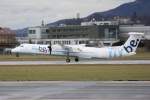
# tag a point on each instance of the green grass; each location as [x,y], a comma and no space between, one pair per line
[75,73]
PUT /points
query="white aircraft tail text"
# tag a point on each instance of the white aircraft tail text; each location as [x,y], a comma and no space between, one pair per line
[133,41]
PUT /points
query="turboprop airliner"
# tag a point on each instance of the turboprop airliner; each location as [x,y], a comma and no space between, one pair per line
[82,51]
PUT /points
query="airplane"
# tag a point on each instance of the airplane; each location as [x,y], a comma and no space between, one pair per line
[82,51]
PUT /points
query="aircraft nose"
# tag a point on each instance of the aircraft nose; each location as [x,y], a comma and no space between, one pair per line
[13,50]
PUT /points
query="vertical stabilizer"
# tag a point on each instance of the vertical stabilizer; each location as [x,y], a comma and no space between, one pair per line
[133,41]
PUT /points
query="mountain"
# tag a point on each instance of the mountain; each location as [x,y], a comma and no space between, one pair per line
[21,32]
[141,7]
[138,9]
[67,22]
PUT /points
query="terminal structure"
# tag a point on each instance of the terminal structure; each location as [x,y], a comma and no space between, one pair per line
[105,32]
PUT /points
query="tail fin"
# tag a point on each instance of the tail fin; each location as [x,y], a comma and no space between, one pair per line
[132,43]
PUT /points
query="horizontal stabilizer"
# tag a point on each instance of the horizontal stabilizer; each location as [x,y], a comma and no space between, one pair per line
[136,33]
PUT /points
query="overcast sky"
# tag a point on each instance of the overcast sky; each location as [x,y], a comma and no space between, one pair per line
[17,14]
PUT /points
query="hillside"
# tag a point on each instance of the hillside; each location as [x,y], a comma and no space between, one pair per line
[141,7]
[138,7]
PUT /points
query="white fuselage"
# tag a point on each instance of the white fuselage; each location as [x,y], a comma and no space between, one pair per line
[74,50]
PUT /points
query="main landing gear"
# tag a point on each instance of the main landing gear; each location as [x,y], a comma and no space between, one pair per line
[68,59]
[76,59]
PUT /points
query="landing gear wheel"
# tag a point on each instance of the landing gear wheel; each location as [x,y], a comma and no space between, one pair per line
[67,60]
[17,54]
[76,59]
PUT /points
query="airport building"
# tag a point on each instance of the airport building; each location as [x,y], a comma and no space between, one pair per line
[7,39]
[100,32]
[124,29]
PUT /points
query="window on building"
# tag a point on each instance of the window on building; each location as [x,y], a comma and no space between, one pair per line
[47,30]
[54,36]
[53,30]
[57,42]
[106,31]
[32,31]
[112,33]
[82,42]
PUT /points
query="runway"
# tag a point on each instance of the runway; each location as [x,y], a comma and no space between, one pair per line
[80,62]
[89,90]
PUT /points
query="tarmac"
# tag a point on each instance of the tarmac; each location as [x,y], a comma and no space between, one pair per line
[68,90]
[80,62]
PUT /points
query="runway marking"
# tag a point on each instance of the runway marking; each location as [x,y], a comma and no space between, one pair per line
[80,62]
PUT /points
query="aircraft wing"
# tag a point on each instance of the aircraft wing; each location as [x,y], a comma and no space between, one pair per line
[67,48]
[70,49]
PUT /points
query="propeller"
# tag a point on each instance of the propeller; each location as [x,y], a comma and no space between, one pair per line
[50,48]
